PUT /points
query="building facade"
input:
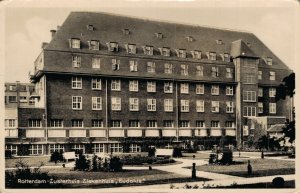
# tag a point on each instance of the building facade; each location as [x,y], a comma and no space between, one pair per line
[108,83]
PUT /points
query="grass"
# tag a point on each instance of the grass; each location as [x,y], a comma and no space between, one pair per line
[260,167]
[31,161]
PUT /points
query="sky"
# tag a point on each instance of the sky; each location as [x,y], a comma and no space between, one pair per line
[28,24]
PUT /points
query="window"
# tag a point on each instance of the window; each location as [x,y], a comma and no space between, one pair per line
[56,148]
[10,123]
[133,66]
[215,106]
[94,45]
[219,42]
[272,108]
[159,35]
[12,148]
[272,92]
[116,147]
[269,61]
[76,102]
[12,99]
[249,111]
[148,50]
[116,85]
[133,148]
[199,70]
[259,75]
[130,48]
[96,84]
[184,105]
[98,148]
[151,104]
[76,82]
[31,101]
[96,123]
[35,149]
[150,67]
[12,87]
[199,105]
[133,85]
[183,124]
[151,86]
[78,148]
[126,31]
[212,56]
[168,105]
[23,99]
[181,53]
[115,64]
[168,87]
[214,89]
[260,91]
[133,104]
[115,103]
[112,46]
[56,123]
[12,132]
[214,71]
[200,124]
[74,43]
[215,124]
[226,57]
[184,88]
[151,123]
[96,103]
[168,123]
[199,88]
[35,123]
[229,73]
[260,107]
[229,106]
[249,79]
[116,123]
[272,75]
[229,90]
[164,51]
[77,123]
[134,123]
[249,96]
[76,61]
[229,124]
[184,69]
[96,63]
[196,54]
[168,68]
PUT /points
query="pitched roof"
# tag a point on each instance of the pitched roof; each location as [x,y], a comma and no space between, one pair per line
[109,27]
[239,48]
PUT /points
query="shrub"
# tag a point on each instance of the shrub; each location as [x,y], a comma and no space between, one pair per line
[151,152]
[56,156]
[278,182]
[226,158]
[82,163]
[8,154]
[177,152]
[212,158]
[115,164]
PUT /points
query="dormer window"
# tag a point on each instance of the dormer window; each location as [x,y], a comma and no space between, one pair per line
[148,50]
[131,48]
[269,61]
[189,38]
[94,45]
[74,43]
[126,31]
[164,51]
[181,53]
[159,35]
[211,55]
[214,71]
[219,42]
[225,57]
[115,64]
[112,46]
[196,54]
[90,27]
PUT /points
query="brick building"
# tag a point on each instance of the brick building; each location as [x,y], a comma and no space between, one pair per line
[108,83]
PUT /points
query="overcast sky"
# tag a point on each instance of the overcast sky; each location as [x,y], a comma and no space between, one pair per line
[27,27]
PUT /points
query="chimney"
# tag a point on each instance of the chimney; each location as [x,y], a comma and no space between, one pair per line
[53,32]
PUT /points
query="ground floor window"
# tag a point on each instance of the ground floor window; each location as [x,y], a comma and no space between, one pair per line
[133,148]
[116,147]
[35,149]
[57,147]
[98,148]
[12,148]
[78,148]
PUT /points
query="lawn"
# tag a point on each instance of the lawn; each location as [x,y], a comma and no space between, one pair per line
[31,161]
[260,167]
[198,155]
